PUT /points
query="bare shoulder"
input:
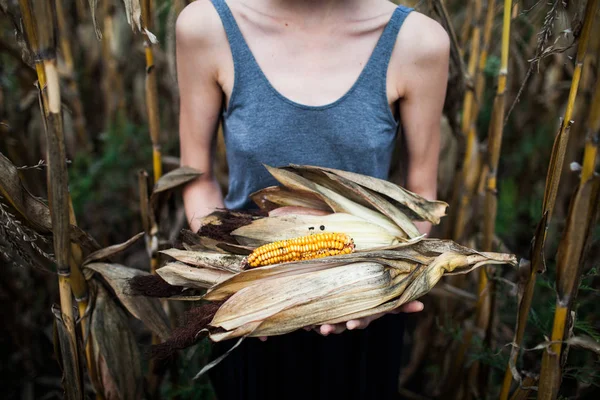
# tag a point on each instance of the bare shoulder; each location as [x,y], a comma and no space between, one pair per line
[423,39]
[199,26]
[422,50]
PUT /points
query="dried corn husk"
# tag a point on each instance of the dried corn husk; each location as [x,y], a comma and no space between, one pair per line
[392,263]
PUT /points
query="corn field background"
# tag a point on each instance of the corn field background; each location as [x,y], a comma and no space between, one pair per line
[94,83]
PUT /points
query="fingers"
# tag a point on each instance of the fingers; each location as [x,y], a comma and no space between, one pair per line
[362,323]
[410,307]
[263,338]
[329,329]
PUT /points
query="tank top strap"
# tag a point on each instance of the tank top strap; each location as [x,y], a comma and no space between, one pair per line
[380,58]
[239,48]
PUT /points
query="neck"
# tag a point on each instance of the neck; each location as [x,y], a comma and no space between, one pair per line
[310,11]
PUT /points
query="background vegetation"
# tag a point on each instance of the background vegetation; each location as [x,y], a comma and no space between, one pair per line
[107,103]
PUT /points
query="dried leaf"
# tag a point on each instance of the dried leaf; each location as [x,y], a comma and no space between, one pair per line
[180,274]
[355,298]
[133,11]
[69,359]
[217,261]
[32,210]
[93,5]
[585,342]
[113,250]
[429,210]
[260,301]
[336,201]
[576,234]
[116,352]
[172,180]
[380,204]
[273,197]
[148,310]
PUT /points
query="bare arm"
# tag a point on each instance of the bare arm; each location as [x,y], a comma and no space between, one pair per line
[201,98]
[421,108]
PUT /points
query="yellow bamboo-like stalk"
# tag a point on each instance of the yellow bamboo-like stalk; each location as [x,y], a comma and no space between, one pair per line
[110,81]
[552,182]
[569,266]
[592,137]
[76,282]
[80,6]
[30,32]
[151,92]
[466,27]
[466,182]
[484,312]
[67,54]
[58,197]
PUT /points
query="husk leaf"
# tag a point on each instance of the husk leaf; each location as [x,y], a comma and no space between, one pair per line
[180,274]
[148,310]
[431,211]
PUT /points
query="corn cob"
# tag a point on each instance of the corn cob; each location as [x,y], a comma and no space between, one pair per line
[302,248]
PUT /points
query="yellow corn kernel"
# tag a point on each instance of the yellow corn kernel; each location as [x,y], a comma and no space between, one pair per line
[301,248]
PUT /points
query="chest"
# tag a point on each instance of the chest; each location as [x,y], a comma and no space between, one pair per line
[311,64]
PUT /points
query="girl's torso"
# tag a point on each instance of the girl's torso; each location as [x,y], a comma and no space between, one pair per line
[307,91]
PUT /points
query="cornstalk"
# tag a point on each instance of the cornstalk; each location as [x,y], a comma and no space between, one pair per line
[31,34]
[65,48]
[58,197]
[484,311]
[592,137]
[463,189]
[466,182]
[154,127]
[111,84]
[151,92]
[552,182]
[76,282]
[571,256]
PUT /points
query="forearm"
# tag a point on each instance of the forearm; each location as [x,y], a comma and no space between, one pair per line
[200,198]
[422,171]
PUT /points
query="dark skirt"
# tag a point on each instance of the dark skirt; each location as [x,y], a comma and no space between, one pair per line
[361,364]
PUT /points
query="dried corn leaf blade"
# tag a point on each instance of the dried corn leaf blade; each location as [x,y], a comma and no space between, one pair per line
[180,274]
[72,374]
[116,352]
[172,180]
[133,10]
[573,243]
[276,196]
[426,278]
[354,299]
[218,261]
[381,204]
[260,301]
[362,196]
[401,282]
[266,230]
[113,250]
[34,211]
[336,201]
[93,5]
[235,248]
[421,208]
[205,244]
[148,310]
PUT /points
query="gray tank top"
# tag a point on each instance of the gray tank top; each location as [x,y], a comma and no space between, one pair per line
[356,133]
